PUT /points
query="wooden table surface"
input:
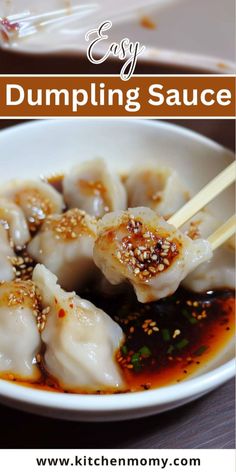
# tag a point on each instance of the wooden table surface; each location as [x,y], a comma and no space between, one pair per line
[205,423]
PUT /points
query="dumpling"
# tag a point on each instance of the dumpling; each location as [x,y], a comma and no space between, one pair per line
[7,272]
[80,340]
[37,199]
[219,272]
[92,187]
[19,336]
[143,248]
[64,245]
[158,188]
[13,219]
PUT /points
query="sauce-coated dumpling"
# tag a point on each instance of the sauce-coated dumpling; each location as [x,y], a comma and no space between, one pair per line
[158,188]
[92,187]
[13,219]
[140,246]
[37,200]
[6,253]
[80,339]
[19,336]
[218,272]
[64,245]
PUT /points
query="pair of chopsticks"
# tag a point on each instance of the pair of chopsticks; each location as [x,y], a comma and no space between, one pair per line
[205,196]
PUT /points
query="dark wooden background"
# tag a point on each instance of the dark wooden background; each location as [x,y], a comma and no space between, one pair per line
[205,423]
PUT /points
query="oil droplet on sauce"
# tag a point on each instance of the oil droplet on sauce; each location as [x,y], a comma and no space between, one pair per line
[147,23]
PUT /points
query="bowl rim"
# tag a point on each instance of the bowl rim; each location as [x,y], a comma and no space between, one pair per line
[127,401]
[143,121]
[92,403]
[153,55]
[211,64]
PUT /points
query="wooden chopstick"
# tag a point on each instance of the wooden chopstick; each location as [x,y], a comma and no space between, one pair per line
[205,196]
[223,233]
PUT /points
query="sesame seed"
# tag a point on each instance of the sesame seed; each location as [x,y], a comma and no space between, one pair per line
[154,257]
[38,358]
[176,333]
[166,245]
[161,267]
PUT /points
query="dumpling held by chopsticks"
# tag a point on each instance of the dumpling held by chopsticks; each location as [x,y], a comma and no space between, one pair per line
[141,247]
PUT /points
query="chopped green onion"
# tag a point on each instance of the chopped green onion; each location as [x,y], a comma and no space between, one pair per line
[165,334]
[200,351]
[124,350]
[182,344]
[189,317]
[145,351]
[135,358]
[170,349]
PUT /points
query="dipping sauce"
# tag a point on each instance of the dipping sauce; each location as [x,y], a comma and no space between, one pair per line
[166,341]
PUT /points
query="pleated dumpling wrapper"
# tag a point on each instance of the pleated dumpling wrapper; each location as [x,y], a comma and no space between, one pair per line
[13,219]
[219,271]
[143,248]
[19,335]
[80,340]
[156,187]
[64,245]
[92,187]
[37,200]
[6,254]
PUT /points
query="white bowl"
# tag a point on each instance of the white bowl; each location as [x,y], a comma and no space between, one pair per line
[45,147]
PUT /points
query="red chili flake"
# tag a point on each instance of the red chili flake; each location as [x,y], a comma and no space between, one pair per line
[8,25]
[7,28]
[61,313]
[71,305]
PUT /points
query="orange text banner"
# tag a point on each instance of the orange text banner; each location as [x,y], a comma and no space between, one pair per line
[147,96]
